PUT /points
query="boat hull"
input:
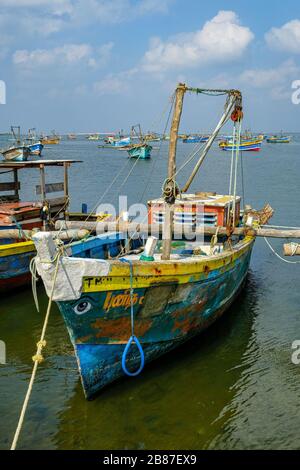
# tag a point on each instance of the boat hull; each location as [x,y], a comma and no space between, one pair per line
[168,310]
[51,141]
[36,149]
[143,152]
[244,148]
[17,154]
[192,140]
[14,265]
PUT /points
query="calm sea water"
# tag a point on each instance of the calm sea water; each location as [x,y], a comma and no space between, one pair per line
[233,387]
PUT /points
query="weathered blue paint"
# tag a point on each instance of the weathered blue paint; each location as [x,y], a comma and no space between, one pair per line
[165,316]
[15,265]
[36,148]
[98,247]
[194,139]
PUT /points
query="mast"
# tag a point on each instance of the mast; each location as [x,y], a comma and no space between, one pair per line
[169,191]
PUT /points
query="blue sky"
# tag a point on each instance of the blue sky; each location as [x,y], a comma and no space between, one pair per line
[100,65]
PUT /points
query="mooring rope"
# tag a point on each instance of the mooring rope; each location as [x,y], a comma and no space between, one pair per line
[37,359]
[133,338]
[34,279]
[278,256]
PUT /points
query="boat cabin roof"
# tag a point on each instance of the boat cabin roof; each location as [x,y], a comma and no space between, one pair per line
[201,198]
[36,164]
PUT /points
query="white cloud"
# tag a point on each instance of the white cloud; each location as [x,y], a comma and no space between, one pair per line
[221,39]
[114,84]
[109,85]
[268,78]
[286,38]
[50,16]
[57,6]
[65,55]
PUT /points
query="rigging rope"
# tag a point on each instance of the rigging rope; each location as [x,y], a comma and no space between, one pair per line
[159,148]
[230,104]
[237,151]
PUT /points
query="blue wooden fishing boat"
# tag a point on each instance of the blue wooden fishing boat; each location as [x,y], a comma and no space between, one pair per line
[35,146]
[124,308]
[195,138]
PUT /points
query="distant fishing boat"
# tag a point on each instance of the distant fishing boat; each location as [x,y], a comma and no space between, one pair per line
[151,137]
[195,138]
[19,152]
[250,146]
[35,146]
[53,139]
[121,142]
[141,149]
[129,308]
[93,137]
[72,136]
[279,139]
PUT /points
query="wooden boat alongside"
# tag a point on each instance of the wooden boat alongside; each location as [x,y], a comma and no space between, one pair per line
[128,308]
[15,255]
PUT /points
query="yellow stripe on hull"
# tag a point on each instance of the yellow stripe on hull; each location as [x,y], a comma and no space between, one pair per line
[16,248]
[180,271]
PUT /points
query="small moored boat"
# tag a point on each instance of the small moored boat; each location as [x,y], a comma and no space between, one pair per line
[250,146]
[279,139]
[53,139]
[35,146]
[195,138]
[18,152]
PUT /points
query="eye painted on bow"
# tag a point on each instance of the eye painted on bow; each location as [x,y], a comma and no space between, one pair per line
[82,307]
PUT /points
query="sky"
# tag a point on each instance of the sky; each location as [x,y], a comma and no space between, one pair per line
[104,65]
